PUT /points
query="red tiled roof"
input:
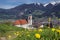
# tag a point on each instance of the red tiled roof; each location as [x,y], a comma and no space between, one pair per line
[20,22]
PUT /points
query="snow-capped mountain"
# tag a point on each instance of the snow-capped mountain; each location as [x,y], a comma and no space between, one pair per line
[53,3]
[30,8]
[46,4]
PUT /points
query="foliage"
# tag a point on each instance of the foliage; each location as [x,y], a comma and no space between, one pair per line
[15,33]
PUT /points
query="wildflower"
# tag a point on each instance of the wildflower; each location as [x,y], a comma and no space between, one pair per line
[58,30]
[40,30]
[17,33]
[53,29]
[9,36]
[37,35]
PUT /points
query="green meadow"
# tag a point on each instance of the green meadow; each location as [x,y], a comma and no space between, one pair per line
[9,32]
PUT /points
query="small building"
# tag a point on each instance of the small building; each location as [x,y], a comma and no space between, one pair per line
[24,23]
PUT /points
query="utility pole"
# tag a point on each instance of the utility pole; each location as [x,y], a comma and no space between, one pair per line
[49,20]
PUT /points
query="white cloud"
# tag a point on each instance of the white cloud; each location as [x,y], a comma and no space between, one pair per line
[7,6]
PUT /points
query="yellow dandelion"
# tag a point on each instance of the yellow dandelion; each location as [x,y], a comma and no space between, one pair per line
[16,33]
[58,30]
[40,30]
[37,35]
[9,36]
[53,29]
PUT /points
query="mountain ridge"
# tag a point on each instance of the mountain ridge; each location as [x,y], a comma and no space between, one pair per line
[26,9]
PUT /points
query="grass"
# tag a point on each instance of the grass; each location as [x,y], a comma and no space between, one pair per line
[14,33]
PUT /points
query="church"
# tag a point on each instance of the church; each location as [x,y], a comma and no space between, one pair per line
[24,23]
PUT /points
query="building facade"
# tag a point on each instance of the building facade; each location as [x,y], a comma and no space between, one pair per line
[24,23]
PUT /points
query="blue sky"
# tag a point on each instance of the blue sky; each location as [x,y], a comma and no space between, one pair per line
[12,3]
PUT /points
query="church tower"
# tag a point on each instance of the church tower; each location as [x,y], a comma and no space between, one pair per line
[30,19]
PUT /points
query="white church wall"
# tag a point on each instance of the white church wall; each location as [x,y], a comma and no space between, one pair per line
[23,26]
[27,25]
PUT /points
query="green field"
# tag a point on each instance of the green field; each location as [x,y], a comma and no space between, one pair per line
[14,33]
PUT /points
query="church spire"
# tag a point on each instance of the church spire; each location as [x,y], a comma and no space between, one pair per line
[30,19]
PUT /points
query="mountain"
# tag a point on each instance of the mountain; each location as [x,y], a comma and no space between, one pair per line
[33,6]
[56,7]
[49,6]
[36,9]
